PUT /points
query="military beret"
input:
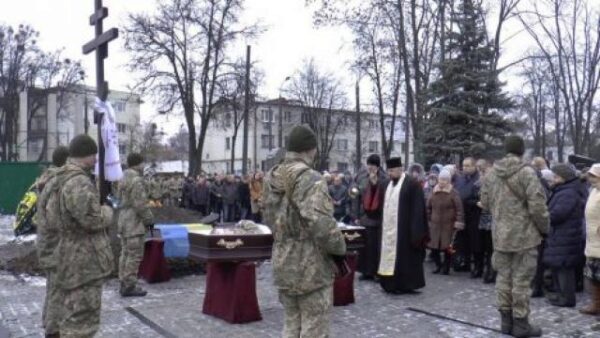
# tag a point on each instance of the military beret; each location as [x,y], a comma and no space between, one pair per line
[134,159]
[59,156]
[82,146]
[301,139]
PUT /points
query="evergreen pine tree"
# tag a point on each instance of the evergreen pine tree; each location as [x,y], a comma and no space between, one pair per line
[465,101]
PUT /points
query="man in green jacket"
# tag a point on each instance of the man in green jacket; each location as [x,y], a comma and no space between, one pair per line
[306,238]
[515,197]
[134,217]
[85,257]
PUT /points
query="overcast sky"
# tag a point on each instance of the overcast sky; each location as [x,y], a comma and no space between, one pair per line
[289,39]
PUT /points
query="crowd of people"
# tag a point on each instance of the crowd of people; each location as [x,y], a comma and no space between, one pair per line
[532,228]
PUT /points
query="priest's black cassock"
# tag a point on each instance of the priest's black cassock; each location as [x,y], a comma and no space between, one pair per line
[403,272]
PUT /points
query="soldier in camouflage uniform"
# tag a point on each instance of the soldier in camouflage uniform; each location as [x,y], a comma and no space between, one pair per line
[134,217]
[85,257]
[306,238]
[154,191]
[46,220]
[514,196]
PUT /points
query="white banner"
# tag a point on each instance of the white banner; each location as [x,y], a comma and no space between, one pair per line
[110,138]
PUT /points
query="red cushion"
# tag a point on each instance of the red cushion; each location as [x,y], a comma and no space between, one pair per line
[154,267]
[231,292]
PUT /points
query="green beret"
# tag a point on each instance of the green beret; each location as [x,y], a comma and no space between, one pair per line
[134,159]
[514,144]
[82,146]
[59,156]
[301,139]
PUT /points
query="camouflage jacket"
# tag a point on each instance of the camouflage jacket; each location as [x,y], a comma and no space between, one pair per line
[300,212]
[514,196]
[135,213]
[46,218]
[84,250]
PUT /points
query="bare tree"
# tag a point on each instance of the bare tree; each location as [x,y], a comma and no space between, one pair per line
[568,37]
[322,97]
[181,53]
[25,66]
[230,105]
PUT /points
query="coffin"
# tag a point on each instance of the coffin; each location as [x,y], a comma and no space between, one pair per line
[226,243]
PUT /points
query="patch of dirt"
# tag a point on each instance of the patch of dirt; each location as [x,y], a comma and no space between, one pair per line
[19,257]
[174,215]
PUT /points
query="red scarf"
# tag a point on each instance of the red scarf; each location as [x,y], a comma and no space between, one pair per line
[372,201]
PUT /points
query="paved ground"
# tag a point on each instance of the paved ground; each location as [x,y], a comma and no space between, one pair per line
[176,307]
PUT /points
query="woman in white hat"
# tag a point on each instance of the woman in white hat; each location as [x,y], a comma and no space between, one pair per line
[592,245]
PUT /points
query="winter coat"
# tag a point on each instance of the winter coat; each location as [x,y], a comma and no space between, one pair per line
[201,194]
[444,213]
[305,235]
[135,214]
[564,245]
[230,193]
[339,194]
[592,222]
[84,251]
[514,196]
[244,195]
[468,187]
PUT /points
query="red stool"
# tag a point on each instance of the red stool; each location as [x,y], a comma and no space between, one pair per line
[154,267]
[343,287]
[230,292]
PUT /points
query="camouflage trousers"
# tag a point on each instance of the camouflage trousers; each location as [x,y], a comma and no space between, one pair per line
[53,303]
[82,311]
[307,316]
[513,283]
[132,251]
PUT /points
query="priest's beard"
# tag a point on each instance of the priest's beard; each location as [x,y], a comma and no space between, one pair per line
[395,180]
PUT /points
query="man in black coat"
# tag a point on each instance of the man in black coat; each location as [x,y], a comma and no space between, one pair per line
[201,196]
[469,239]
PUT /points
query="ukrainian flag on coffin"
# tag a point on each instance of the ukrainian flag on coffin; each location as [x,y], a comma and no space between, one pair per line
[175,236]
[23,224]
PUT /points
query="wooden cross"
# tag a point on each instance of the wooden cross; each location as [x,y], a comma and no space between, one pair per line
[100,45]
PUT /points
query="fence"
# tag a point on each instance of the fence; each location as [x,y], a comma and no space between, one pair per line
[15,179]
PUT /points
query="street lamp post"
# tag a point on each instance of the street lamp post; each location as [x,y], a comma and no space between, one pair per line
[280,134]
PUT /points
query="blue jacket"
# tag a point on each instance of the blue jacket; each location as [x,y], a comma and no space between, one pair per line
[564,244]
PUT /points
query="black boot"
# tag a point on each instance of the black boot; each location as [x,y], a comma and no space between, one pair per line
[522,328]
[435,256]
[446,264]
[506,321]
[134,291]
[477,270]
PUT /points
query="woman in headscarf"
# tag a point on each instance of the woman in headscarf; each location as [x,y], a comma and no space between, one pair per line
[445,216]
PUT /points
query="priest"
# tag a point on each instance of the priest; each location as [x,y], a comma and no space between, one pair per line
[404,233]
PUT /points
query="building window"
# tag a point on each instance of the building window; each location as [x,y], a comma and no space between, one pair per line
[228,143]
[305,118]
[119,106]
[342,144]
[372,124]
[35,146]
[122,127]
[373,147]
[227,120]
[122,149]
[342,166]
[207,156]
[267,141]
[266,115]
[287,116]
[286,140]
